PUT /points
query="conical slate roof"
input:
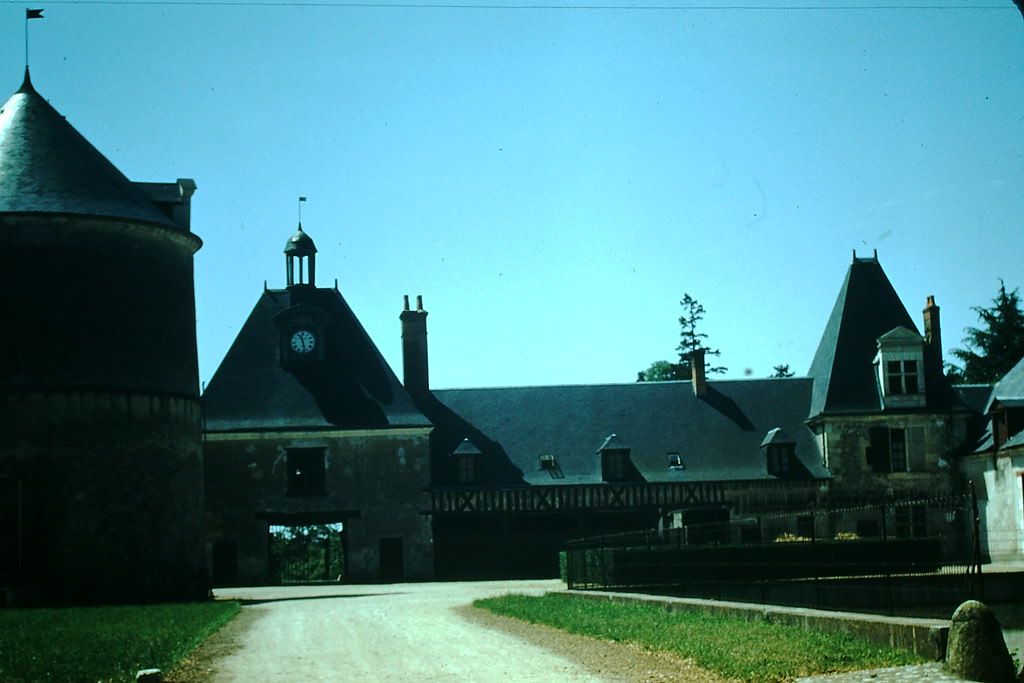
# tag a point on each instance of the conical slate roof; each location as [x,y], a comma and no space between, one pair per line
[867,308]
[46,166]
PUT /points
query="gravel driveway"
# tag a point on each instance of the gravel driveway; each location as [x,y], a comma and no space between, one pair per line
[422,632]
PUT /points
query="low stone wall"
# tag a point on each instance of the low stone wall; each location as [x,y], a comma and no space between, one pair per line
[926,637]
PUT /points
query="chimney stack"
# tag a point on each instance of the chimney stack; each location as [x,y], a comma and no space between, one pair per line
[698,373]
[932,332]
[414,349]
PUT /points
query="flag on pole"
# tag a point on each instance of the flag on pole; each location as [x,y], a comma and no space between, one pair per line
[302,199]
[33,14]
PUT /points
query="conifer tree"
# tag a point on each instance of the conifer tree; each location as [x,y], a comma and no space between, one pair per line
[994,348]
[690,339]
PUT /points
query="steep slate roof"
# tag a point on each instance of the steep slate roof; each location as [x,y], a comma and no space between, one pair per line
[46,166]
[1009,391]
[844,378]
[718,436]
[355,388]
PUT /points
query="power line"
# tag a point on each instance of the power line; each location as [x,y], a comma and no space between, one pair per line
[484,6]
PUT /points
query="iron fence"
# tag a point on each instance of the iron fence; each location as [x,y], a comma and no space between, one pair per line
[892,555]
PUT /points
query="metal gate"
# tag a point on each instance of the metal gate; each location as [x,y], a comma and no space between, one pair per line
[307,553]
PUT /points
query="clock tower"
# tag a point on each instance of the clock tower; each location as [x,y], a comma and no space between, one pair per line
[307,426]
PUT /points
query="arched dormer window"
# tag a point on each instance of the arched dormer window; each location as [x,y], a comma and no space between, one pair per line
[899,368]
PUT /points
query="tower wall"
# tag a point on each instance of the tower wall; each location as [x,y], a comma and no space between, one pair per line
[101,494]
[97,304]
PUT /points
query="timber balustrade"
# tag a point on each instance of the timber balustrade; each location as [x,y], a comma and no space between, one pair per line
[578,497]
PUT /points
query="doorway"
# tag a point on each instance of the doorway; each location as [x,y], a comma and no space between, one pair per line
[392,564]
[307,553]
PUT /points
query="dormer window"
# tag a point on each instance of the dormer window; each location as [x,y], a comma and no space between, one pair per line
[615,462]
[675,462]
[780,459]
[465,461]
[899,365]
[613,465]
[547,461]
[779,451]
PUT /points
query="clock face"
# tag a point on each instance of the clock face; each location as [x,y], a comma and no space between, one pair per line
[303,341]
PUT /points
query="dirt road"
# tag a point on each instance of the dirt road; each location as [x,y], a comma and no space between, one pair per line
[412,632]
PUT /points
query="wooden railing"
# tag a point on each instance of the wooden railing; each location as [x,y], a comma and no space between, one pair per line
[578,497]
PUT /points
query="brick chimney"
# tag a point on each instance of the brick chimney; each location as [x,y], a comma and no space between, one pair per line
[414,349]
[932,333]
[698,373]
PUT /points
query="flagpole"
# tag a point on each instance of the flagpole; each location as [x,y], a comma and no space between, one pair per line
[30,14]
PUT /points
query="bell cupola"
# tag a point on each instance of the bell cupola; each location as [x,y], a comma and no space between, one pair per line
[300,258]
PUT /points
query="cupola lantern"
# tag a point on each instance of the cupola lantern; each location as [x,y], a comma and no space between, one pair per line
[300,258]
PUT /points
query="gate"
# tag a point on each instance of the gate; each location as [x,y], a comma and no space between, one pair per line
[307,553]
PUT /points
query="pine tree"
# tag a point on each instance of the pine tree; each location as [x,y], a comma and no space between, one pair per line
[690,340]
[993,349]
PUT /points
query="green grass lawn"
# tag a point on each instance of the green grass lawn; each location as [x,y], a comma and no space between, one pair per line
[734,648]
[102,643]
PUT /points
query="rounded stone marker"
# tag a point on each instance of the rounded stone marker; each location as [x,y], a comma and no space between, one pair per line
[976,649]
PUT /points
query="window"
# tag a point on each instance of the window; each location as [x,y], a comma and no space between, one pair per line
[466,468]
[898,450]
[307,474]
[901,376]
[899,367]
[780,459]
[613,465]
[675,461]
[888,450]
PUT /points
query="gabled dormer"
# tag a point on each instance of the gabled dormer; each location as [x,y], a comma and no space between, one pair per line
[616,461]
[465,462]
[899,369]
[779,450]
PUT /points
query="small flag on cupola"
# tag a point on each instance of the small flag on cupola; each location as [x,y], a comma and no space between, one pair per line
[34,14]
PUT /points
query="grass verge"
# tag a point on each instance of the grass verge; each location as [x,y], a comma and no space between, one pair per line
[753,651]
[102,644]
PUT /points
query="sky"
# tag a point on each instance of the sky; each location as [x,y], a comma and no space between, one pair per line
[552,178]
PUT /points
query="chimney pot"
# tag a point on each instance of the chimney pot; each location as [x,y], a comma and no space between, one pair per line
[406,298]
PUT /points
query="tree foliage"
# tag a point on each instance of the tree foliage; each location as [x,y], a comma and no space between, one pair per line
[782,371]
[994,348]
[690,340]
[663,371]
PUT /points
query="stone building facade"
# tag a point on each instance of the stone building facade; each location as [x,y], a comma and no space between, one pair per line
[491,482]
[308,427]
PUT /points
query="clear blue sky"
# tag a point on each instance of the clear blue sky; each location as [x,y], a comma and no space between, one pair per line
[552,180]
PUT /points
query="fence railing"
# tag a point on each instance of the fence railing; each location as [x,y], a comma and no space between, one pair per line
[881,556]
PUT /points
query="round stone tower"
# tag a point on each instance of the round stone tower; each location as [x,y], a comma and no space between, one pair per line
[100,423]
